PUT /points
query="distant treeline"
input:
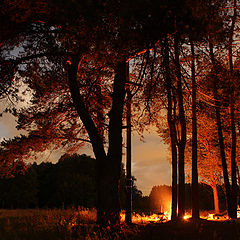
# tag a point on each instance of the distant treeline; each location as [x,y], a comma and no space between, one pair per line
[71,183]
[68,183]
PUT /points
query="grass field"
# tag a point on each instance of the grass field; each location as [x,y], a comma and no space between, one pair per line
[72,224]
[57,224]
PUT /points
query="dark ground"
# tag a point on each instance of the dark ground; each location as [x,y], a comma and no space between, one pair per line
[80,225]
[202,230]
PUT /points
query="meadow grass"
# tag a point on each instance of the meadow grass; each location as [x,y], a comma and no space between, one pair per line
[57,224]
[80,224]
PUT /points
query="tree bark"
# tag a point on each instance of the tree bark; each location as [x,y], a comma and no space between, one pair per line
[100,113]
[215,198]
[114,155]
[128,217]
[182,141]
[195,204]
[220,136]
[108,166]
[232,115]
[238,175]
[174,170]
[172,130]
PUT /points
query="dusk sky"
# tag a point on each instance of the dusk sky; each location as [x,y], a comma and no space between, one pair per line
[150,159]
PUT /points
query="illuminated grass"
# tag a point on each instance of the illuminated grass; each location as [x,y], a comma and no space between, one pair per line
[72,224]
[56,224]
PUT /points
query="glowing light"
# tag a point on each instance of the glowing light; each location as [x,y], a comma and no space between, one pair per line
[186,216]
[166,216]
[144,219]
[215,217]
[210,216]
[238,213]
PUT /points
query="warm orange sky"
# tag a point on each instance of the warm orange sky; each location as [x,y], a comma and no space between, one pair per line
[150,161]
[150,164]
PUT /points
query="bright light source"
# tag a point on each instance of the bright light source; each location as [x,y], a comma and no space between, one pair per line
[186,216]
[210,216]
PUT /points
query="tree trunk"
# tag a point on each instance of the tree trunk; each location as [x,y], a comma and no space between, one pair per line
[215,198]
[195,205]
[114,155]
[220,137]
[233,160]
[108,166]
[172,130]
[174,171]
[238,192]
[232,114]
[100,113]
[233,157]
[238,175]
[182,141]
[128,217]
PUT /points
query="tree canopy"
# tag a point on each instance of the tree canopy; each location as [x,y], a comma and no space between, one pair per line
[73,58]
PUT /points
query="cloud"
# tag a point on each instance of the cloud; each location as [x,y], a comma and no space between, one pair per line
[156,174]
[8,121]
[8,126]
[150,162]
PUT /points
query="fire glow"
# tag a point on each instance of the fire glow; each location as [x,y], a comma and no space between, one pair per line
[144,218]
[166,216]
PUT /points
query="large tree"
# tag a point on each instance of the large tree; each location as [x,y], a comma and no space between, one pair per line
[209,165]
[75,64]
[73,58]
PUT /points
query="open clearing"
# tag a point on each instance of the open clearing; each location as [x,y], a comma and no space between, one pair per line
[73,224]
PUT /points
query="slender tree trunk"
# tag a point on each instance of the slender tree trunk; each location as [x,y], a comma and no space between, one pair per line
[174,171]
[114,155]
[238,175]
[233,160]
[220,136]
[238,190]
[182,141]
[232,114]
[215,198]
[171,124]
[128,218]
[195,204]
[100,113]
[108,166]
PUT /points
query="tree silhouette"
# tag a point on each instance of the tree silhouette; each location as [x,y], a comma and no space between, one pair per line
[75,38]
[72,57]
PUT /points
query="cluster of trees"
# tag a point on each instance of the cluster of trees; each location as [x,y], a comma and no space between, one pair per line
[73,57]
[68,183]
[200,74]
